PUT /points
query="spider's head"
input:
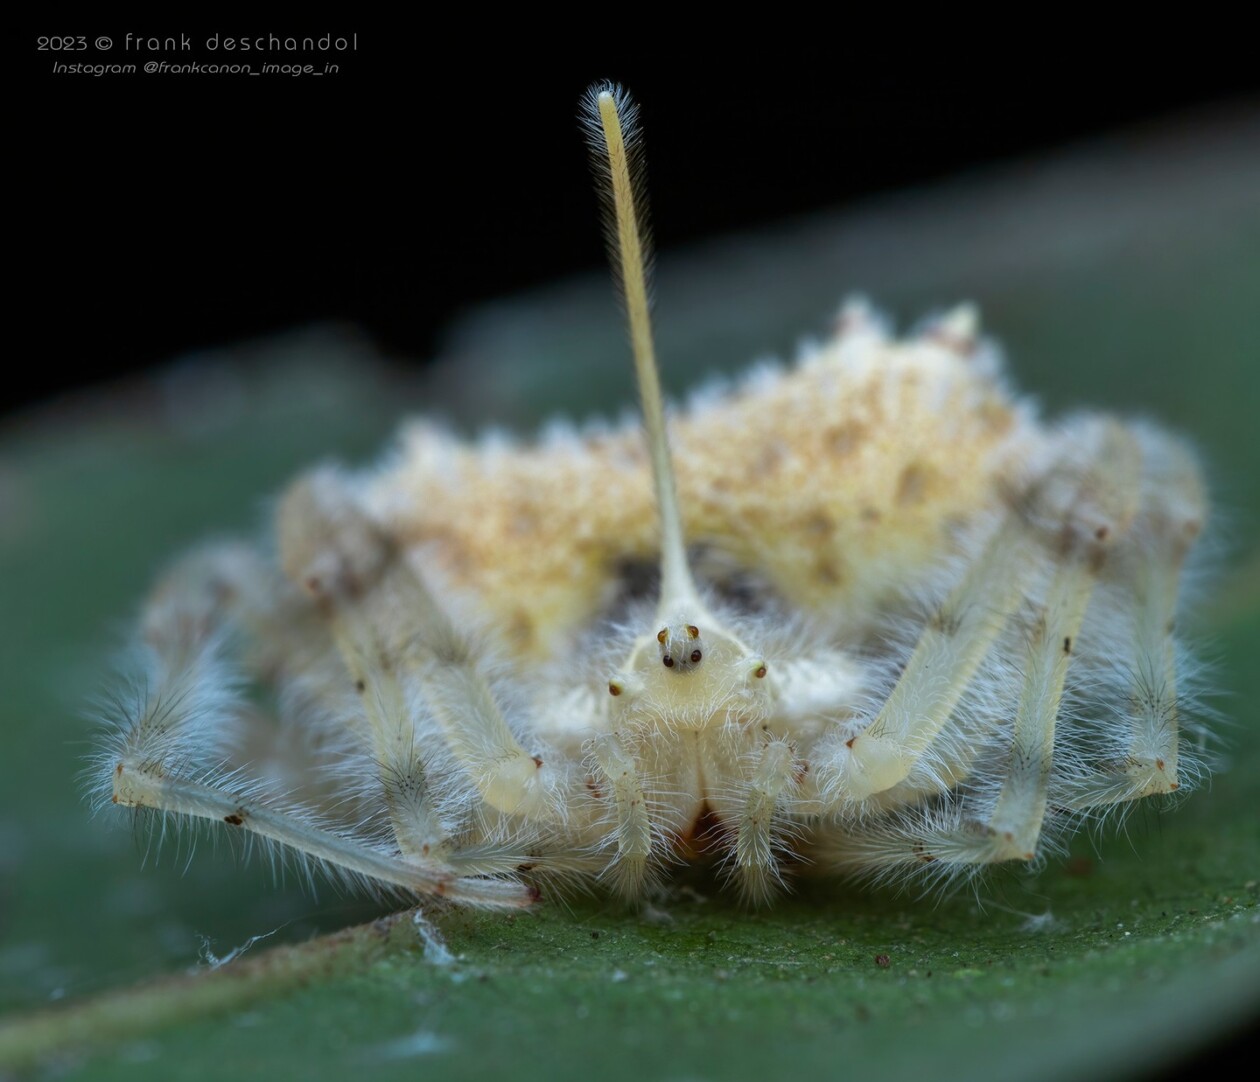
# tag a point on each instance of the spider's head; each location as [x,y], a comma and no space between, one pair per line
[690,672]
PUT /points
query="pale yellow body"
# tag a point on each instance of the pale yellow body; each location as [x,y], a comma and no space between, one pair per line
[842,484]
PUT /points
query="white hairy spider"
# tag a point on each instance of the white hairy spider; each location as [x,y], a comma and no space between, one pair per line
[900,625]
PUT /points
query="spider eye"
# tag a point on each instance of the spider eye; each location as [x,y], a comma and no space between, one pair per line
[693,631]
[667,661]
[662,635]
[695,656]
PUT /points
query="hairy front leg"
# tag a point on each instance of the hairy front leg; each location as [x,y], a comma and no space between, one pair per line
[390,627]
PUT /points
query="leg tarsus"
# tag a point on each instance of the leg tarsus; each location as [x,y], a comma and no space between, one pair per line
[755,856]
[633,825]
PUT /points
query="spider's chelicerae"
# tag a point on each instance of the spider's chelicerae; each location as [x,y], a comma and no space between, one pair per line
[895,624]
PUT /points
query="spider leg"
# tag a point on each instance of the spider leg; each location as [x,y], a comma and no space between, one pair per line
[1144,757]
[1086,509]
[215,799]
[389,626]
[945,659]
[633,830]
[410,801]
[1014,824]
[168,753]
[980,829]
[187,711]
[755,857]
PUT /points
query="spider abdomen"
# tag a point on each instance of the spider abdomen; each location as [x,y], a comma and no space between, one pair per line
[841,484]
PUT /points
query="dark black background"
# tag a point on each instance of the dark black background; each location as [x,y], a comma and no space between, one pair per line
[162,213]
